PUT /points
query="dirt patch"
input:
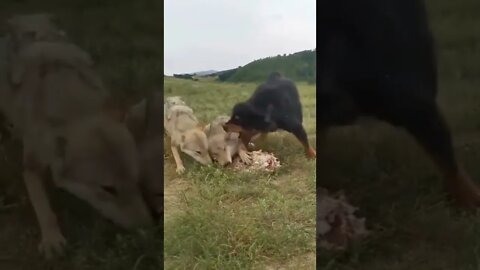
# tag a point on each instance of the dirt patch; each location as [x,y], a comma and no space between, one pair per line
[173,202]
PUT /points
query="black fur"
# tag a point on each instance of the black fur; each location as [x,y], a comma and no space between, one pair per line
[376,58]
[274,105]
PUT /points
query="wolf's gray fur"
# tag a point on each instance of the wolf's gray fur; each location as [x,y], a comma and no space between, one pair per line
[53,97]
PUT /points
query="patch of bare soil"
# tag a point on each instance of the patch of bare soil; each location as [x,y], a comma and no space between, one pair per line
[173,199]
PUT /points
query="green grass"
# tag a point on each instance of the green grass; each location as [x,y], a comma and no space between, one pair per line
[385,173]
[124,38]
[219,219]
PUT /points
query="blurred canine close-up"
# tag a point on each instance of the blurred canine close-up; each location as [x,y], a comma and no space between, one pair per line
[398,86]
[78,117]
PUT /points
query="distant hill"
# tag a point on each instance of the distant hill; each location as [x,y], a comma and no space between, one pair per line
[204,73]
[300,66]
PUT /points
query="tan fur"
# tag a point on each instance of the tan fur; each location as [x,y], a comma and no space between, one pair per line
[182,128]
[58,113]
[223,146]
[171,101]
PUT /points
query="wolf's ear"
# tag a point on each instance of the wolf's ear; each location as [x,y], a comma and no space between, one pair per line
[183,138]
[206,129]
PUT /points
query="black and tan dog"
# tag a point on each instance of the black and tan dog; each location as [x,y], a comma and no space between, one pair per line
[274,105]
[377,59]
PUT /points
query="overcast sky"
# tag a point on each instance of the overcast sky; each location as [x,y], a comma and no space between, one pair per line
[222,34]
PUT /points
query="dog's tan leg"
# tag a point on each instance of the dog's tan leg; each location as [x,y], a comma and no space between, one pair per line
[178,160]
[457,182]
[432,133]
[302,137]
[52,239]
[309,151]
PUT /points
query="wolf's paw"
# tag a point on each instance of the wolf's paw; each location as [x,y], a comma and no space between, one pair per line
[245,157]
[180,169]
[51,244]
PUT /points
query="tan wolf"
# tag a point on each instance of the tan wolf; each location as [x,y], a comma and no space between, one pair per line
[56,103]
[185,132]
[223,146]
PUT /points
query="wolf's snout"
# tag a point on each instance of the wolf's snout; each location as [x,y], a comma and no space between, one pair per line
[207,160]
[227,163]
[138,217]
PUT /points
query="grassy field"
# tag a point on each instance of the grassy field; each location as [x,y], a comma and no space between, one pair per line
[125,39]
[218,219]
[396,187]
